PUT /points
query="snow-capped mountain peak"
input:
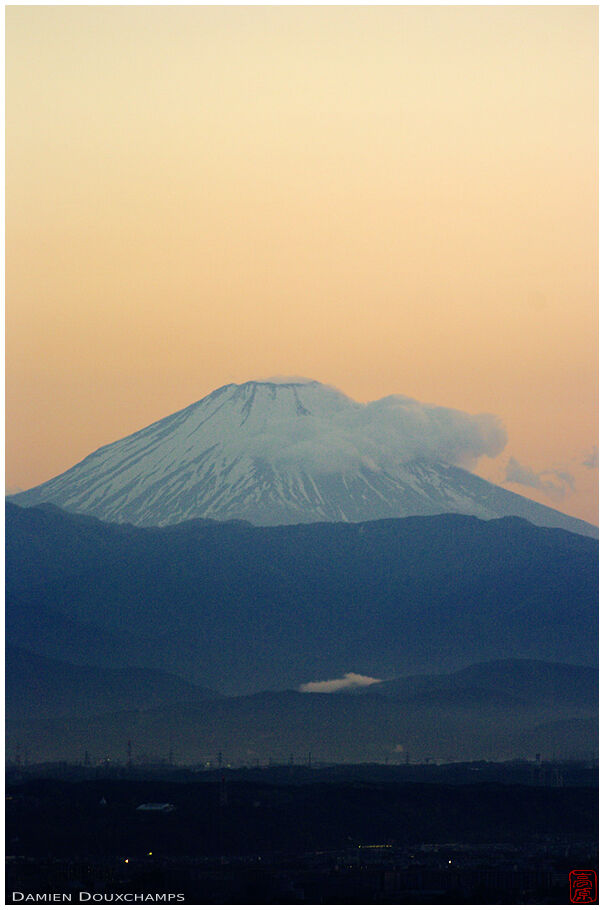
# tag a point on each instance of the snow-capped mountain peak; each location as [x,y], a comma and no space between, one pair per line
[294,450]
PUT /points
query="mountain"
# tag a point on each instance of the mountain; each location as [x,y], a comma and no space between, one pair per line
[41,687]
[240,608]
[289,452]
[446,721]
[520,681]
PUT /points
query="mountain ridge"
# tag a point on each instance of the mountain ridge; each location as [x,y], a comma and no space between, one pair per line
[38,686]
[282,606]
[445,722]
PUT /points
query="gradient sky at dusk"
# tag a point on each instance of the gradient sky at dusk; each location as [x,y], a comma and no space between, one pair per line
[388,199]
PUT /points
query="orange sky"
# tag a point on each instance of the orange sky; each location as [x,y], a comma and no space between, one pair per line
[389,199]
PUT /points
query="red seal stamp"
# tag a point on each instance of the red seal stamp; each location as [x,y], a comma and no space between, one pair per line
[583,886]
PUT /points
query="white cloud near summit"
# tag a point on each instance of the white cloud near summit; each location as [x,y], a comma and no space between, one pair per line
[285,379]
[383,434]
[412,430]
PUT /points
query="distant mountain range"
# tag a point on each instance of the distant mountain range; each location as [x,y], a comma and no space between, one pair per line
[170,638]
[496,710]
[289,452]
[39,687]
[238,608]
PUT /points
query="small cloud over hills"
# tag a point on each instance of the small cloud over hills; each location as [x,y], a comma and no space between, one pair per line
[348,681]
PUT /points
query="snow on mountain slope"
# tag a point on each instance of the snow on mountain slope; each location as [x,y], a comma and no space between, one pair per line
[289,452]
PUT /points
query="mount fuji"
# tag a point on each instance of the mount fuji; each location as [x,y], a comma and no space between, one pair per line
[290,452]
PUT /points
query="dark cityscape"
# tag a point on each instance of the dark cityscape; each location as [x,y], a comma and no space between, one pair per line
[407,834]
